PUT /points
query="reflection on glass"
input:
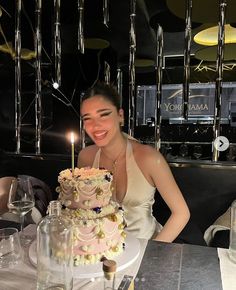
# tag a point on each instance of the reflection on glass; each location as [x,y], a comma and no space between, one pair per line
[10,249]
[197,151]
[231,154]
[183,150]
[168,152]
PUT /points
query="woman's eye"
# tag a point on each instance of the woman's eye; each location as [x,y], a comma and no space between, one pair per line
[86,119]
[105,114]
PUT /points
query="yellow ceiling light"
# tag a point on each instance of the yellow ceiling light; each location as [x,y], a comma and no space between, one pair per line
[209,36]
[209,53]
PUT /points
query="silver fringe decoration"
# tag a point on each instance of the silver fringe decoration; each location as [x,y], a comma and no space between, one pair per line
[81,135]
[57,42]
[38,84]
[187,51]
[81,26]
[159,66]
[106,12]
[218,84]
[107,73]
[18,76]
[81,130]
[119,81]
[132,51]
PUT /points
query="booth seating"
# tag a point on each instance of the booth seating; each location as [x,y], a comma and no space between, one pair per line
[44,167]
[209,189]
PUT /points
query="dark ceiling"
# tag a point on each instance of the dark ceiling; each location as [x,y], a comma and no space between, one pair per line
[79,71]
[83,68]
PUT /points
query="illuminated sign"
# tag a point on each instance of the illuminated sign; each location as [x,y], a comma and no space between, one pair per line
[200,107]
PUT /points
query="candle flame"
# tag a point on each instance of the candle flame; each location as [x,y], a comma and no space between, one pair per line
[72,137]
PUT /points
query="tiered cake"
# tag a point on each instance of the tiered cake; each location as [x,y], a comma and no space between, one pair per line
[98,221]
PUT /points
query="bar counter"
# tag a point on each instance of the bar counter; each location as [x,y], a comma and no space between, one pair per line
[174,161]
[181,162]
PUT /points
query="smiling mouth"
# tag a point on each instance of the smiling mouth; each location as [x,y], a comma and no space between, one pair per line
[99,135]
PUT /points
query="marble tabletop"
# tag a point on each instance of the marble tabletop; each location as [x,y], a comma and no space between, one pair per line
[170,266]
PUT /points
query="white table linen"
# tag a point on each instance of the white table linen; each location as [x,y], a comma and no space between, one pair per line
[24,274]
[227,269]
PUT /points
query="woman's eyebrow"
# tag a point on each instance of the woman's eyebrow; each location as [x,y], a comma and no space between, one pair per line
[102,110]
[82,116]
[98,111]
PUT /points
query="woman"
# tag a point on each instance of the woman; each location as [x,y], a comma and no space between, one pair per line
[138,170]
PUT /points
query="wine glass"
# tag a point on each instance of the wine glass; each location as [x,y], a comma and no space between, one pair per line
[21,201]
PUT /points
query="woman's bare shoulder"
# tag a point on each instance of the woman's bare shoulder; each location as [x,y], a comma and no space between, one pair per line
[87,155]
[147,155]
[149,160]
[144,150]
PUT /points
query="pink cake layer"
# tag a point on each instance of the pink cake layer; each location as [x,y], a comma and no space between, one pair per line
[94,239]
[97,237]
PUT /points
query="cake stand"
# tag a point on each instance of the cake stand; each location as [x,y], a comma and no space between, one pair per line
[124,260]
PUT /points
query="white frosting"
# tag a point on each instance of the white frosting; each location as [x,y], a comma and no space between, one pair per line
[85,187]
[98,222]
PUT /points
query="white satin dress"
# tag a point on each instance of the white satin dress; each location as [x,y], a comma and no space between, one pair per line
[138,200]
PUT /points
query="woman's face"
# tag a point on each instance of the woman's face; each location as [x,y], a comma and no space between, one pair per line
[101,119]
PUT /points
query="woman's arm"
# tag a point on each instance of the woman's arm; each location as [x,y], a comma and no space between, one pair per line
[164,181]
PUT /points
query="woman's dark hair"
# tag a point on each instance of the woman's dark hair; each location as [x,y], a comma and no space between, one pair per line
[107,91]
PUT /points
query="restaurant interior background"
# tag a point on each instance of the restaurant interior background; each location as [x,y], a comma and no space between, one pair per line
[60,114]
[187,145]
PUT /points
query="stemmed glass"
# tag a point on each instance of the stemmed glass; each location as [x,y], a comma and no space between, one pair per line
[21,201]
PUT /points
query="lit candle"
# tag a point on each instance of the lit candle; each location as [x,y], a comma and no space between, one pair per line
[72,139]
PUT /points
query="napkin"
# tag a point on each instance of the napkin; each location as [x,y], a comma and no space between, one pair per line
[227,269]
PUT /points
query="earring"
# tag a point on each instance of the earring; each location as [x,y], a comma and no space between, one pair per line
[122,123]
